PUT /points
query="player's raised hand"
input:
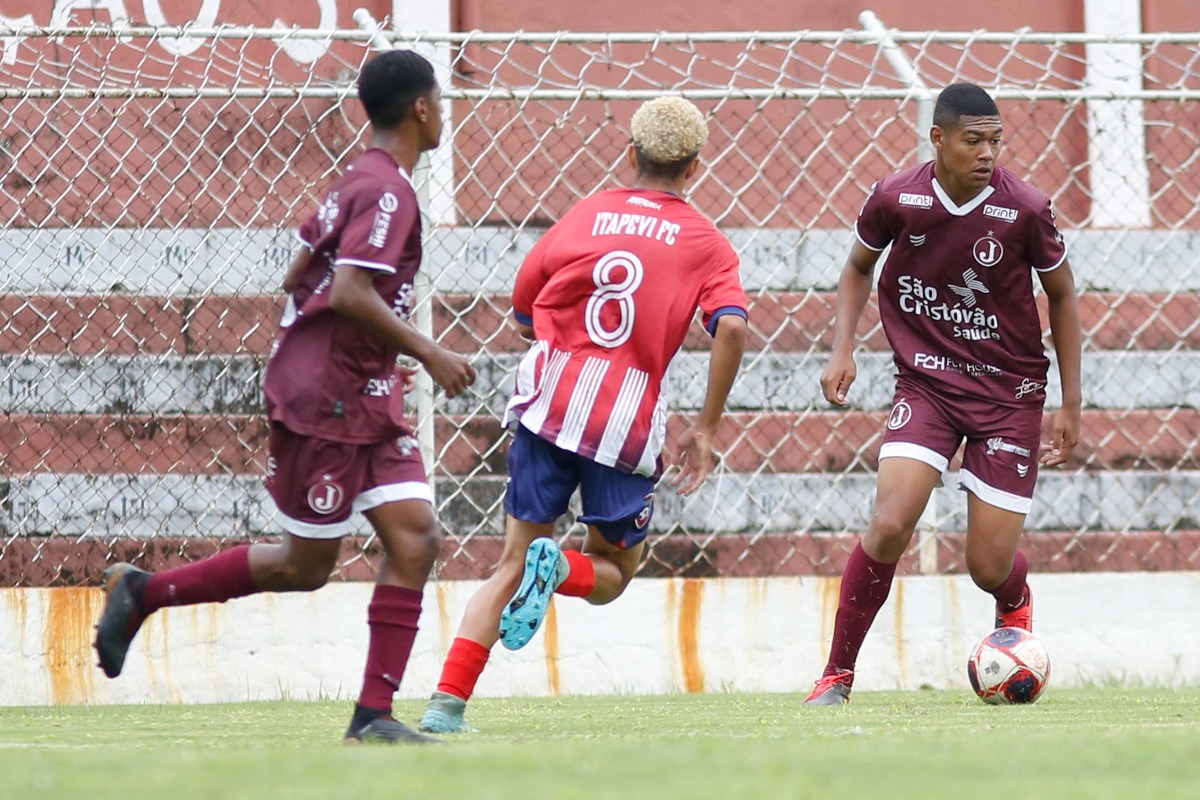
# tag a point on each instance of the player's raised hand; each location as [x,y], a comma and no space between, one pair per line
[1065,437]
[839,373]
[695,461]
[450,371]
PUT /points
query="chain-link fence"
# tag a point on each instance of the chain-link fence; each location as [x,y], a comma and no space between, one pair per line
[151,179]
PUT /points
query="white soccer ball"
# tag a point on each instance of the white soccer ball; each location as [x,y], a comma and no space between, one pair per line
[1009,666]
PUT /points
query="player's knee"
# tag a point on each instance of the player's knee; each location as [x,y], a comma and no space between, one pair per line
[305,576]
[988,573]
[890,532]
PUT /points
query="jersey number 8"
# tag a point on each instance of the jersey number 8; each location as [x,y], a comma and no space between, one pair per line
[619,291]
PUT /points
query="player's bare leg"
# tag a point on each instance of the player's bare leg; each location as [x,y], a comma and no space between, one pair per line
[613,567]
[995,563]
[480,630]
[411,540]
[901,493]
[293,564]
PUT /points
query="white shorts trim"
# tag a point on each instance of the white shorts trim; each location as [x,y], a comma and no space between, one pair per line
[375,265]
[313,530]
[392,493]
[914,451]
[968,482]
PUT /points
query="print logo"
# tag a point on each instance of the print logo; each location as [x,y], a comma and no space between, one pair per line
[1028,387]
[901,414]
[917,240]
[388,203]
[1000,212]
[327,214]
[988,251]
[973,285]
[643,517]
[916,200]
[407,445]
[1022,470]
[326,496]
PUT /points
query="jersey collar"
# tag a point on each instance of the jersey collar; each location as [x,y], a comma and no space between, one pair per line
[965,208]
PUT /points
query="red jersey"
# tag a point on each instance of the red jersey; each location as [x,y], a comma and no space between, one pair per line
[326,377]
[956,291]
[610,291]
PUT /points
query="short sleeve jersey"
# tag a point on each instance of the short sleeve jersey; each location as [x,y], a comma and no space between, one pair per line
[326,377]
[956,292]
[611,291]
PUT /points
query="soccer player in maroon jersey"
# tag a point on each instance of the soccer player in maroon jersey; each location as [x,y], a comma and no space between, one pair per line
[956,301]
[607,296]
[338,438]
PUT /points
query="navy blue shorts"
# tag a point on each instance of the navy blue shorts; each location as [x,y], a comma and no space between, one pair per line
[543,476]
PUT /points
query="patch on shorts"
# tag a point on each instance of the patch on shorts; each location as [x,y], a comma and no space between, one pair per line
[901,414]
[325,497]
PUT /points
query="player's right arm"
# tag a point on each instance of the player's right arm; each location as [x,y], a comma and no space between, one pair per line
[854,289]
[354,297]
[531,277]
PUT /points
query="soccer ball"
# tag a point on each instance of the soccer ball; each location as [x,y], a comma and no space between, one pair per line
[1009,665]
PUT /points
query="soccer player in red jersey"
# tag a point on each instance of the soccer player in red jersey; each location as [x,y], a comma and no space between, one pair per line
[607,296]
[338,438]
[956,301]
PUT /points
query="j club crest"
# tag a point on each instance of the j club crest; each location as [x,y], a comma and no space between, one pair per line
[988,251]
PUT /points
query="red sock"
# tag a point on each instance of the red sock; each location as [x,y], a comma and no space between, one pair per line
[1010,595]
[865,586]
[581,580]
[213,580]
[464,664]
[392,617]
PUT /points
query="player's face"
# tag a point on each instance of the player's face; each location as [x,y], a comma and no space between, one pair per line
[969,150]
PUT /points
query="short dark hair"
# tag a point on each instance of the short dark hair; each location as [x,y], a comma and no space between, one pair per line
[391,82]
[962,100]
[668,171]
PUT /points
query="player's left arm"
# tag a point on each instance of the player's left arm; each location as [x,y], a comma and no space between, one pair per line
[1066,332]
[729,343]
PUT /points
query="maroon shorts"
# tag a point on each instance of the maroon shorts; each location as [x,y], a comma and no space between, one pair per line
[317,483]
[1000,460]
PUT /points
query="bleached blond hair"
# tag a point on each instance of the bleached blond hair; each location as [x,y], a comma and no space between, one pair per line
[669,129]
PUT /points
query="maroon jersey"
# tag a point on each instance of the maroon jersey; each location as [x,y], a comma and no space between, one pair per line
[326,377]
[610,292]
[956,291]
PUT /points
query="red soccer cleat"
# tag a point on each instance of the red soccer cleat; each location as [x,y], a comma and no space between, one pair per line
[1019,617]
[832,690]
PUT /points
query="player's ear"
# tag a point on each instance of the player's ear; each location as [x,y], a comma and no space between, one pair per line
[631,156]
[692,169]
[937,136]
[421,109]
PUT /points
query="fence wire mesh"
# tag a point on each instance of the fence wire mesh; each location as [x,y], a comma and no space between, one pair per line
[151,181]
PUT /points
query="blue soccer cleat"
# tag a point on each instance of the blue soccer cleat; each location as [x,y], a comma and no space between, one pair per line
[545,569]
[444,714]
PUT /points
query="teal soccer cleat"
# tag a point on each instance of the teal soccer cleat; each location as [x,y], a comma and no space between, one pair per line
[444,714]
[545,569]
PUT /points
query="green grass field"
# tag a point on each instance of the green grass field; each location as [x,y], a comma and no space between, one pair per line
[1096,743]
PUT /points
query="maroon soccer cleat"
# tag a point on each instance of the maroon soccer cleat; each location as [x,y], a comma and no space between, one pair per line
[832,690]
[121,618]
[1019,617]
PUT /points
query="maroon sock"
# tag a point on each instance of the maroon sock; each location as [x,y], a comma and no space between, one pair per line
[392,617]
[213,580]
[865,586]
[1010,595]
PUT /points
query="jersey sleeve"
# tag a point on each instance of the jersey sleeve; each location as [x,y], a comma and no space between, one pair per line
[722,293]
[871,227]
[532,276]
[379,222]
[1047,250]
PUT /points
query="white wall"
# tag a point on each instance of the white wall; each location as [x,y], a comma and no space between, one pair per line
[1132,629]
